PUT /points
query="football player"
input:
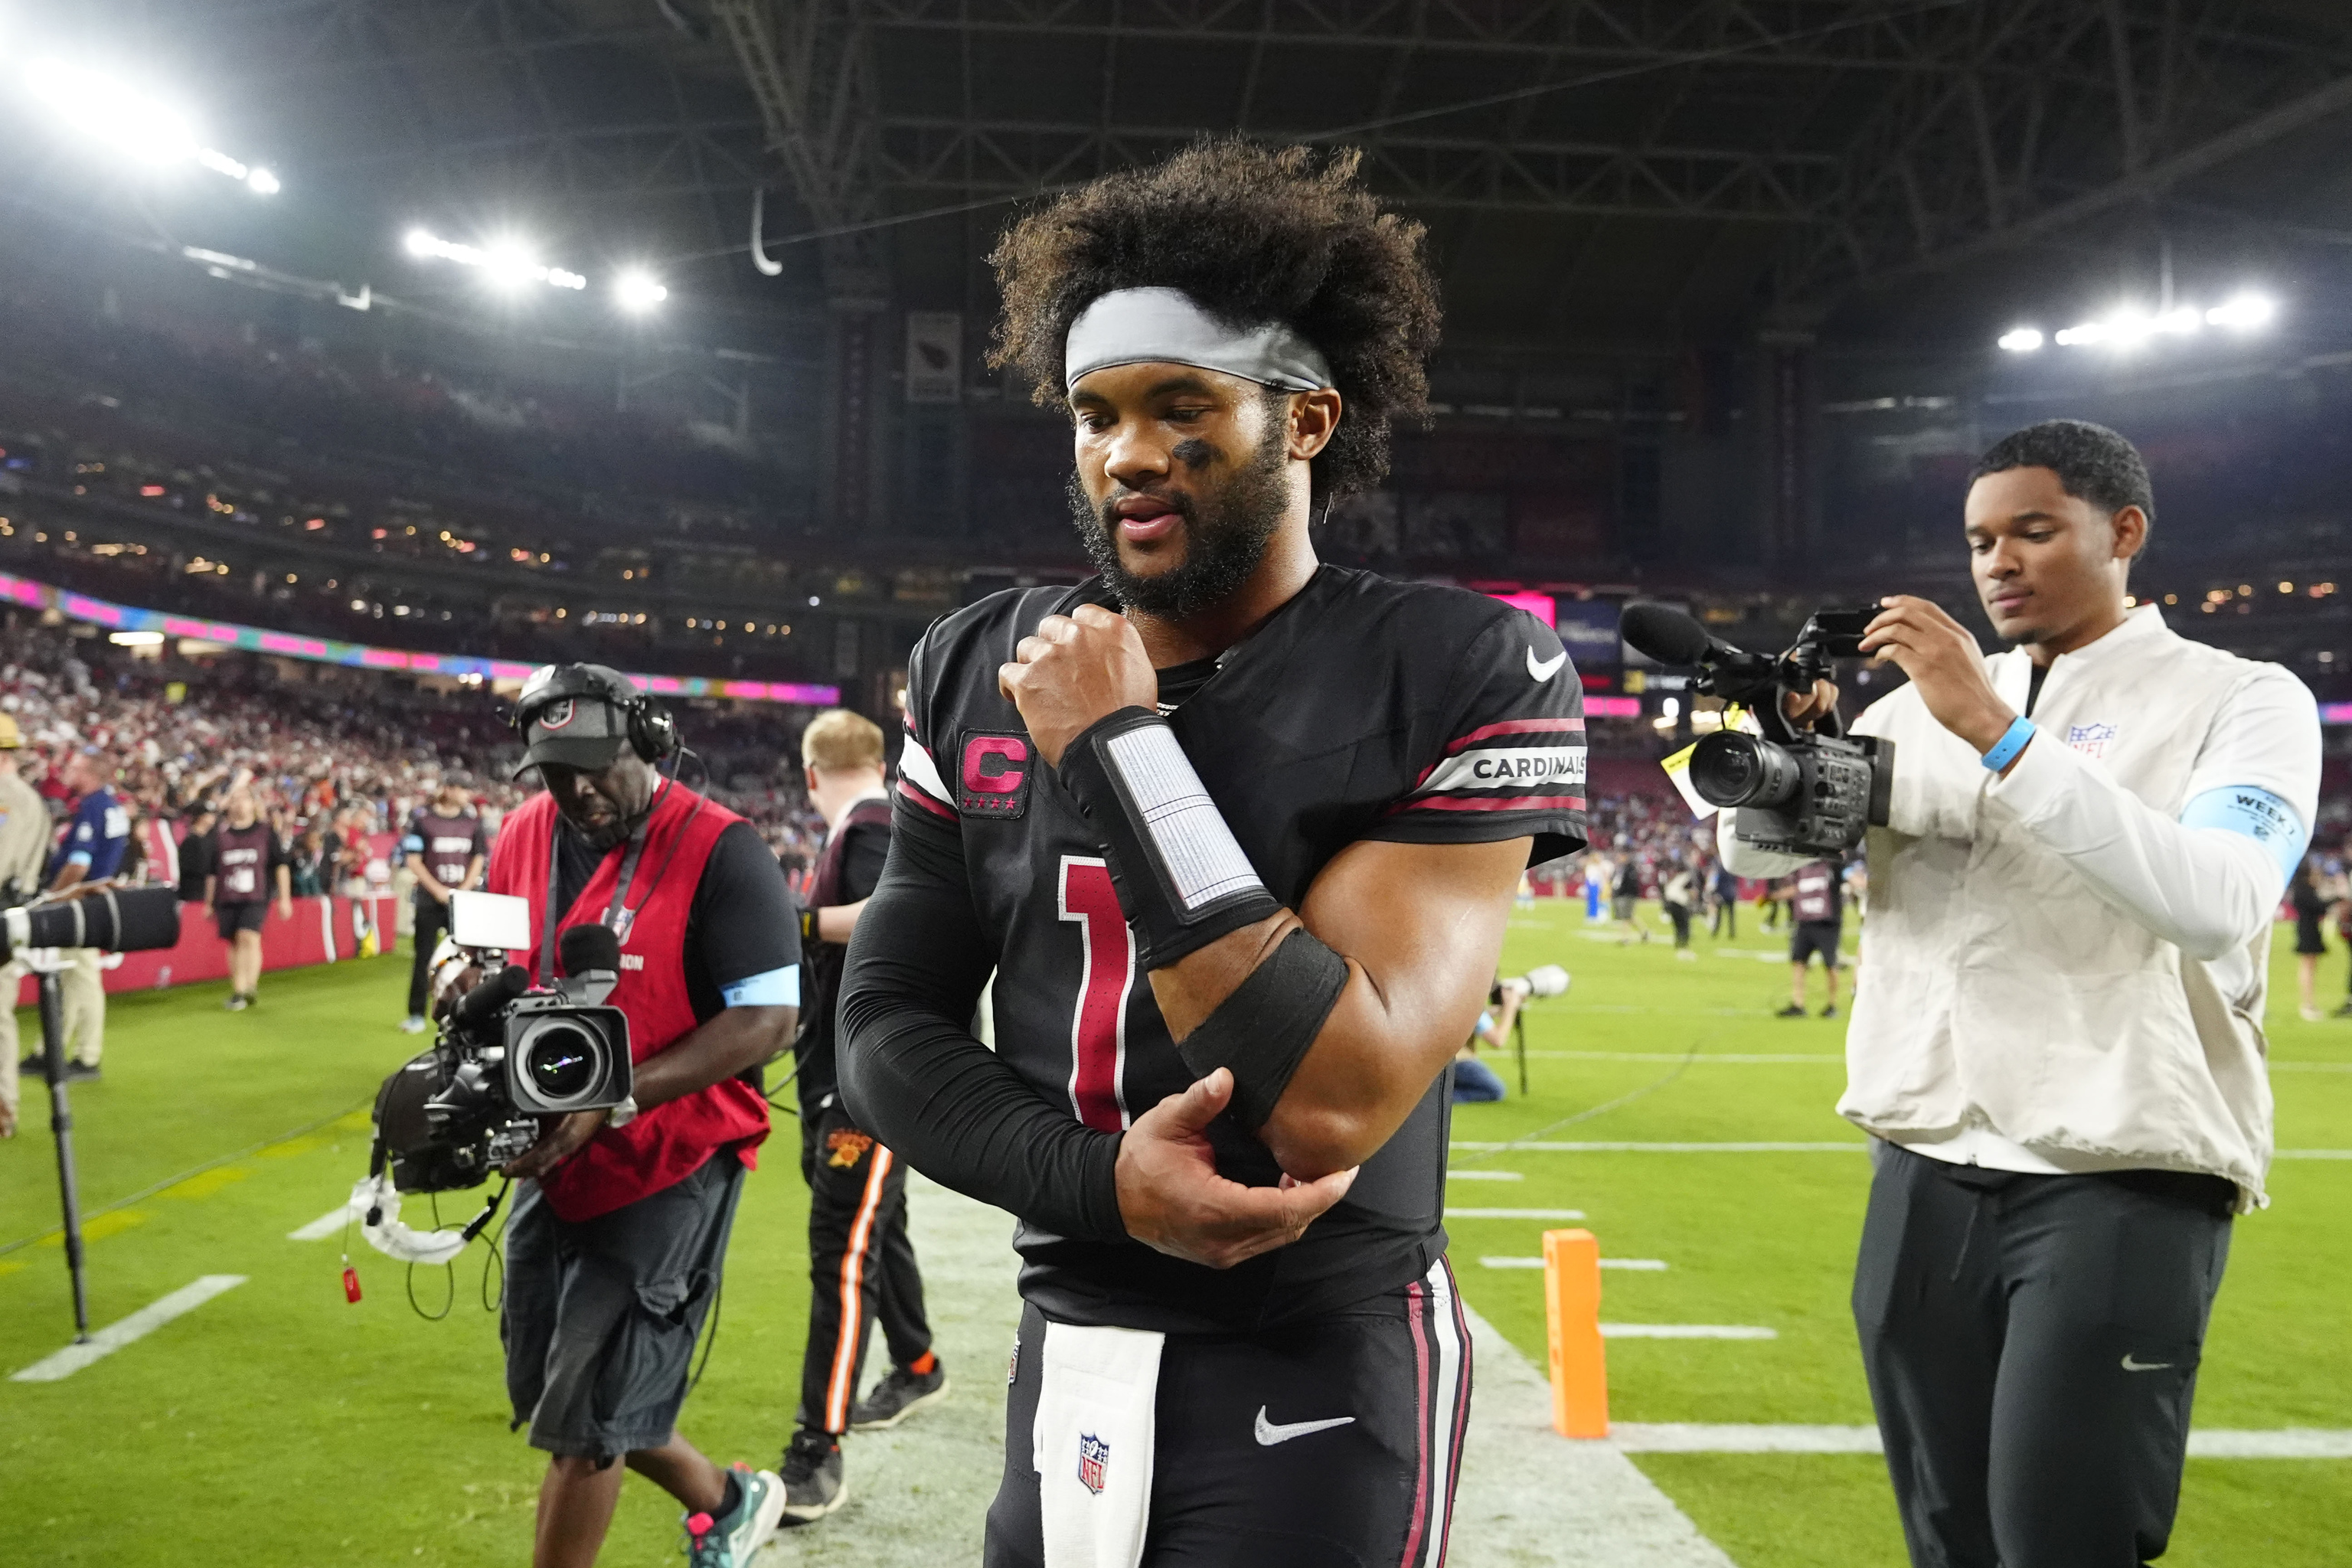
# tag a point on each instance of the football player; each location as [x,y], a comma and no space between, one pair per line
[1239,833]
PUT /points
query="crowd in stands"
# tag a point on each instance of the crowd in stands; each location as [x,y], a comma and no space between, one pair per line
[332,762]
[345,756]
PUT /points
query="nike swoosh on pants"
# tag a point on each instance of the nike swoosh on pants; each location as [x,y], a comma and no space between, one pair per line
[1269,1433]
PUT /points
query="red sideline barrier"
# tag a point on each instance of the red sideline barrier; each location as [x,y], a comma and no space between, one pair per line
[320,931]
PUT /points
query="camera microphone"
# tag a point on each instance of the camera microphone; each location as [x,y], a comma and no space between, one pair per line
[1669,635]
[582,947]
[488,999]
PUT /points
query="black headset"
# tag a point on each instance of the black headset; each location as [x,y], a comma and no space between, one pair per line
[652,732]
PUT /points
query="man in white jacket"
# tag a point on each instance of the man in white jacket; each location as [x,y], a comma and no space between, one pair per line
[2058,1037]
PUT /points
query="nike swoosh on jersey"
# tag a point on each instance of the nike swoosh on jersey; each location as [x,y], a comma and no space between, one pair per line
[2131,1365]
[1269,1433]
[1545,669]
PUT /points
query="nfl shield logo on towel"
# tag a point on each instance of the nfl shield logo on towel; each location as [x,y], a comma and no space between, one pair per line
[1093,1454]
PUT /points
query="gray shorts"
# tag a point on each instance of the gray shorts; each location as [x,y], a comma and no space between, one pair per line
[601,1316]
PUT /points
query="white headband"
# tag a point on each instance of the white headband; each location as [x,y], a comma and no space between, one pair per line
[1137,326]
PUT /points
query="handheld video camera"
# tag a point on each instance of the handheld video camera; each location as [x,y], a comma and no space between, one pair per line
[1811,792]
[507,1054]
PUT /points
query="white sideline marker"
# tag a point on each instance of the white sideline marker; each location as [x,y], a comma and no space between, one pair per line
[1691,1437]
[1514,1213]
[135,1327]
[1486,1176]
[1845,1146]
[1645,1265]
[1685,1332]
[331,1223]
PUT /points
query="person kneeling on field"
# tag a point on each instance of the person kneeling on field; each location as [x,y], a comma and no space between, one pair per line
[1476,1083]
[620,1223]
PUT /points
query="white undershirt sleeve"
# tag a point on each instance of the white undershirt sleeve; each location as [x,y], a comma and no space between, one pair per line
[2209,890]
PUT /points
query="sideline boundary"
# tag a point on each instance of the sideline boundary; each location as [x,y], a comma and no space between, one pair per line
[1693,1437]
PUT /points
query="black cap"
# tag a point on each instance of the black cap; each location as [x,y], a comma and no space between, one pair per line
[574,715]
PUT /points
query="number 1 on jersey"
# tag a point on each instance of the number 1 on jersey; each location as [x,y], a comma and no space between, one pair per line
[1107,973]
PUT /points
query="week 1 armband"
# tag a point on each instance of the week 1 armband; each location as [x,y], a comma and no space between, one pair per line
[1182,879]
[1262,1030]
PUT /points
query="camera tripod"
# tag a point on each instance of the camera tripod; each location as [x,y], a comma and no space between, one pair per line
[47,964]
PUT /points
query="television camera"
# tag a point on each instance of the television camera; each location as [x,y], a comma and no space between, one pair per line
[1811,792]
[507,1054]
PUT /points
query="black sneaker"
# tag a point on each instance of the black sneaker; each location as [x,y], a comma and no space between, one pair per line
[810,1469]
[897,1396]
[80,1072]
[1794,1010]
[1830,1011]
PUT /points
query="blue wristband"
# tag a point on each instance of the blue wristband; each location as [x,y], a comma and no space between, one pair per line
[2012,741]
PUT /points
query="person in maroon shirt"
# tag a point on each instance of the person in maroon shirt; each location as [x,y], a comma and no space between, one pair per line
[247,862]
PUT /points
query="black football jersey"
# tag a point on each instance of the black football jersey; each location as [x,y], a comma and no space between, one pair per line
[1363,709]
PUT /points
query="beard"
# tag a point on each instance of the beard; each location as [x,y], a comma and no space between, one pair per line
[1225,536]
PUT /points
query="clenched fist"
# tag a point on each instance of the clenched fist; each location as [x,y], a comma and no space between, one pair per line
[1073,672]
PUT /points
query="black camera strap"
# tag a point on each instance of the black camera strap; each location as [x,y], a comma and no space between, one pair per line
[621,884]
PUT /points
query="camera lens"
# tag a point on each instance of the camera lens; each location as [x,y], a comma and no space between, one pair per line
[1729,768]
[561,1061]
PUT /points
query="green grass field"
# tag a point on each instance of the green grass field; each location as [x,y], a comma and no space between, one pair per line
[278,1425]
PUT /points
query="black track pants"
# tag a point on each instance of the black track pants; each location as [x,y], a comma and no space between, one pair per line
[861,1264]
[2031,1344]
[432,919]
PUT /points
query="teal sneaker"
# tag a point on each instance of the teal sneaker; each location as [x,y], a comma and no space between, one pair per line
[730,1541]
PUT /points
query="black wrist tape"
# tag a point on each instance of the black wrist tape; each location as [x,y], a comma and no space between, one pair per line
[1183,880]
[1262,1030]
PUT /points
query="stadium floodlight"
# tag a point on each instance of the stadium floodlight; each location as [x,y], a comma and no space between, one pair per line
[134,120]
[2243,312]
[2128,328]
[637,292]
[505,265]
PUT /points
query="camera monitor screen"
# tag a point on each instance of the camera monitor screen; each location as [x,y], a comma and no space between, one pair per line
[489,920]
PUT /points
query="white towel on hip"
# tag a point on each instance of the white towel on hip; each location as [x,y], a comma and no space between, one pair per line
[1093,1442]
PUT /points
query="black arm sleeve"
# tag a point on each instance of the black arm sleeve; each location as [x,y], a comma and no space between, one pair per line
[912,1073]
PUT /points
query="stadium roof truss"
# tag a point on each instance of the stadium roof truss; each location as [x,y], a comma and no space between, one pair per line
[1717,159]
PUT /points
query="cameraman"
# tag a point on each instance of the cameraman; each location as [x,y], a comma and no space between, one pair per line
[619,1232]
[2060,1041]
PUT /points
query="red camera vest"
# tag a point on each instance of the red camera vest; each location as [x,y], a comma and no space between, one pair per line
[670,1142]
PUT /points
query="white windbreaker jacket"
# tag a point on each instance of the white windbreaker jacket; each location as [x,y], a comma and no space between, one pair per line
[2056,972]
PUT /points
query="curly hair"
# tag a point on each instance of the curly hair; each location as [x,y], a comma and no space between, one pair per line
[2092,463]
[1252,234]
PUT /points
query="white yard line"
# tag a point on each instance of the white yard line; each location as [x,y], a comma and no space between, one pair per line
[1846,1146]
[1642,1265]
[1703,1057]
[1685,1438]
[1514,1213]
[1685,1331]
[1486,1176]
[135,1327]
[331,1223]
